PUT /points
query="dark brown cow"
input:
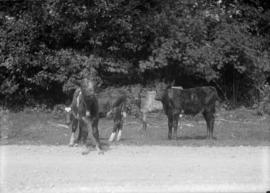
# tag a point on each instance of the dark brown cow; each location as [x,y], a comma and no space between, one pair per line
[187,101]
[89,111]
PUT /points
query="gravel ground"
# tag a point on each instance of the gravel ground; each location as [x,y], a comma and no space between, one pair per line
[61,169]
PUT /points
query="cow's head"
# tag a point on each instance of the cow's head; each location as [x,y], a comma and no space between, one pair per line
[88,87]
[162,90]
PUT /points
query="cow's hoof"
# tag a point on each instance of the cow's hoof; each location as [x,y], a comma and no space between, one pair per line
[111,139]
[76,145]
[71,144]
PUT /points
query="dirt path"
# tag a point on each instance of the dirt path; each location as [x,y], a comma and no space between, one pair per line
[134,169]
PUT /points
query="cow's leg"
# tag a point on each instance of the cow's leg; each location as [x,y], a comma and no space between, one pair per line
[175,125]
[181,121]
[209,118]
[84,132]
[113,132]
[119,135]
[207,124]
[68,115]
[79,127]
[73,127]
[211,125]
[170,125]
[143,119]
[94,135]
[119,131]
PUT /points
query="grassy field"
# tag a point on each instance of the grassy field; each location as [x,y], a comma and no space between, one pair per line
[232,128]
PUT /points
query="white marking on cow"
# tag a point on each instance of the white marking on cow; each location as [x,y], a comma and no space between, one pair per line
[112,137]
[109,113]
[119,135]
[68,109]
[78,98]
[87,113]
[124,114]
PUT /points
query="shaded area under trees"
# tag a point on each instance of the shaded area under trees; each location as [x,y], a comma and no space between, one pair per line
[46,43]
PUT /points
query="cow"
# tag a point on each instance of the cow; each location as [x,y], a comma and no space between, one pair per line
[190,101]
[89,112]
[146,104]
[74,120]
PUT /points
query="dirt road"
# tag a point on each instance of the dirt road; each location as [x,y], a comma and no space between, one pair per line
[134,169]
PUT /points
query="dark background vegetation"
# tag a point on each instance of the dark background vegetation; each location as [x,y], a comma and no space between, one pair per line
[44,44]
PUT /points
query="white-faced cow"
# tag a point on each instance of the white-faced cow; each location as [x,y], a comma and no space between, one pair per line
[187,101]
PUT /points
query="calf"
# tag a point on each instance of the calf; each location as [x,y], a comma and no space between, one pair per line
[74,120]
[187,101]
[146,104]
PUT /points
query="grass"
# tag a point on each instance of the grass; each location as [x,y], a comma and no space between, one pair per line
[232,128]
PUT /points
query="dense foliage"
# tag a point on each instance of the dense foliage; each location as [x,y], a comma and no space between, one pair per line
[44,44]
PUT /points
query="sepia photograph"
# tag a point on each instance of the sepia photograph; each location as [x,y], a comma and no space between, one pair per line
[134,96]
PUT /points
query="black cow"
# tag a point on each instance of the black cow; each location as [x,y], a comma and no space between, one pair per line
[187,101]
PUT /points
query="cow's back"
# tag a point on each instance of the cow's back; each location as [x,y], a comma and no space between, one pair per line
[194,100]
[109,99]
